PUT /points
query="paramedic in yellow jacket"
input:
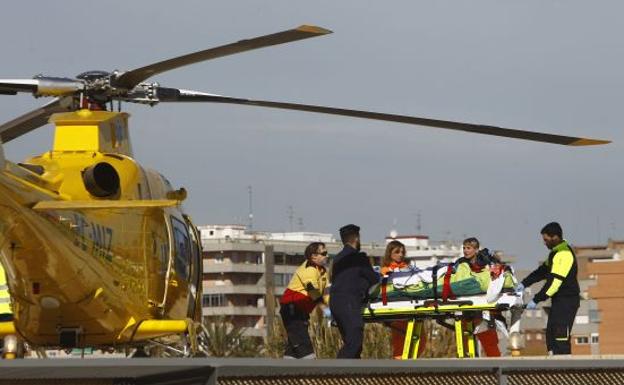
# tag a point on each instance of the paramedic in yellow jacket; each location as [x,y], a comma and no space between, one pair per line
[304,292]
[561,287]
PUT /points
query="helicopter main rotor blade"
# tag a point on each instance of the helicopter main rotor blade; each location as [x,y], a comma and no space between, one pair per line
[41,86]
[34,119]
[175,95]
[13,86]
[131,78]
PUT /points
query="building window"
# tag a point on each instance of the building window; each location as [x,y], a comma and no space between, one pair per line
[538,336]
[219,258]
[594,316]
[582,340]
[213,300]
[581,319]
[282,279]
[595,338]
[528,336]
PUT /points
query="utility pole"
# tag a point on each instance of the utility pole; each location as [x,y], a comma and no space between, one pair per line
[418,223]
[250,191]
[291,216]
[269,284]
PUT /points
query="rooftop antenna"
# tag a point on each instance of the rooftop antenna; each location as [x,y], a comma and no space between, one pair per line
[300,223]
[291,216]
[250,191]
[599,236]
[418,223]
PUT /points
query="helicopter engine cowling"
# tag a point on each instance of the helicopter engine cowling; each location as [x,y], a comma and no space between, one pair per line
[101,180]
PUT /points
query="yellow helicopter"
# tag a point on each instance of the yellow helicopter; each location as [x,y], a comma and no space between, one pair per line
[97,249]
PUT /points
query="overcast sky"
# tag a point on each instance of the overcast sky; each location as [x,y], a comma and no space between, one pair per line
[551,66]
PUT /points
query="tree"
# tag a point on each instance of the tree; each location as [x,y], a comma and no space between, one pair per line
[227,340]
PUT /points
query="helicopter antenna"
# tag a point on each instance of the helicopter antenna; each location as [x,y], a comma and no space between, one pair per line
[250,192]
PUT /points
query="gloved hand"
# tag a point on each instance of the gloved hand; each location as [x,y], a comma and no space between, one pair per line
[519,288]
[327,313]
[531,305]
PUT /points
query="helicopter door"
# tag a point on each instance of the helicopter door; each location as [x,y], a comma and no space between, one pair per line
[183,256]
[182,249]
[156,250]
[195,278]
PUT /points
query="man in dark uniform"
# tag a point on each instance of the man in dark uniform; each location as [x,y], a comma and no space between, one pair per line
[561,287]
[352,275]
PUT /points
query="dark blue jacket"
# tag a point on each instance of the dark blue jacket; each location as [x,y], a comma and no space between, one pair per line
[352,274]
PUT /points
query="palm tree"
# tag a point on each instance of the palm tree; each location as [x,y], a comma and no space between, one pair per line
[227,340]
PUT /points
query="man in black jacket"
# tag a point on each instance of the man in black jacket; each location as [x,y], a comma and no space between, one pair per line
[352,275]
[562,287]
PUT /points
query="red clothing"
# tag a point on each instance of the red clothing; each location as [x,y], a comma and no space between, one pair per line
[393,266]
[489,342]
[306,287]
[398,328]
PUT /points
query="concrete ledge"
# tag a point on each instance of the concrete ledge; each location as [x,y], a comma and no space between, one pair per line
[597,370]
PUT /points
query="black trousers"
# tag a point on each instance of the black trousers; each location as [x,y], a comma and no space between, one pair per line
[296,324]
[560,322]
[347,312]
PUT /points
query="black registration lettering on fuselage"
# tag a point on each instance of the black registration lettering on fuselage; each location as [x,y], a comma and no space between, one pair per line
[101,237]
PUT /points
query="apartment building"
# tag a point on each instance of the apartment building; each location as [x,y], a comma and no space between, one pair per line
[241,267]
[421,252]
[606,269]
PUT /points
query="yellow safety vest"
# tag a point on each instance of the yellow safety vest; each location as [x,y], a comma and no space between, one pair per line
[5,297]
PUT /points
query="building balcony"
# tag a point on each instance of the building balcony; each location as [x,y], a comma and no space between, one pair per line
[240,289]
[232,268]
[211,267]
[233,311]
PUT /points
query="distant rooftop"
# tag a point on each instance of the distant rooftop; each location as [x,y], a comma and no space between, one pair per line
[240,232]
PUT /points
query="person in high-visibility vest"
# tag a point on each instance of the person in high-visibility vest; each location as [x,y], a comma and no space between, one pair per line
[6,312]
[561,287]
[478,261]
[9,343]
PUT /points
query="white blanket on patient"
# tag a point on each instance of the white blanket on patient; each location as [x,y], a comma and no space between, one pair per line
[414,275]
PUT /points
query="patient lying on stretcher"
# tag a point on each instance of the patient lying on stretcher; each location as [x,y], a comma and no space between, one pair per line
[447,281]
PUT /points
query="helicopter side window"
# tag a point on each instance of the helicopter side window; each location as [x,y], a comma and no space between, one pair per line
[182,248]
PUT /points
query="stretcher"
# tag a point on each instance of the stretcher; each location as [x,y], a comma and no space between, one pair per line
[459,311]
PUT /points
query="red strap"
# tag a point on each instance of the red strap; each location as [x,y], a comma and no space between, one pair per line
[447,292]
[384,297]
